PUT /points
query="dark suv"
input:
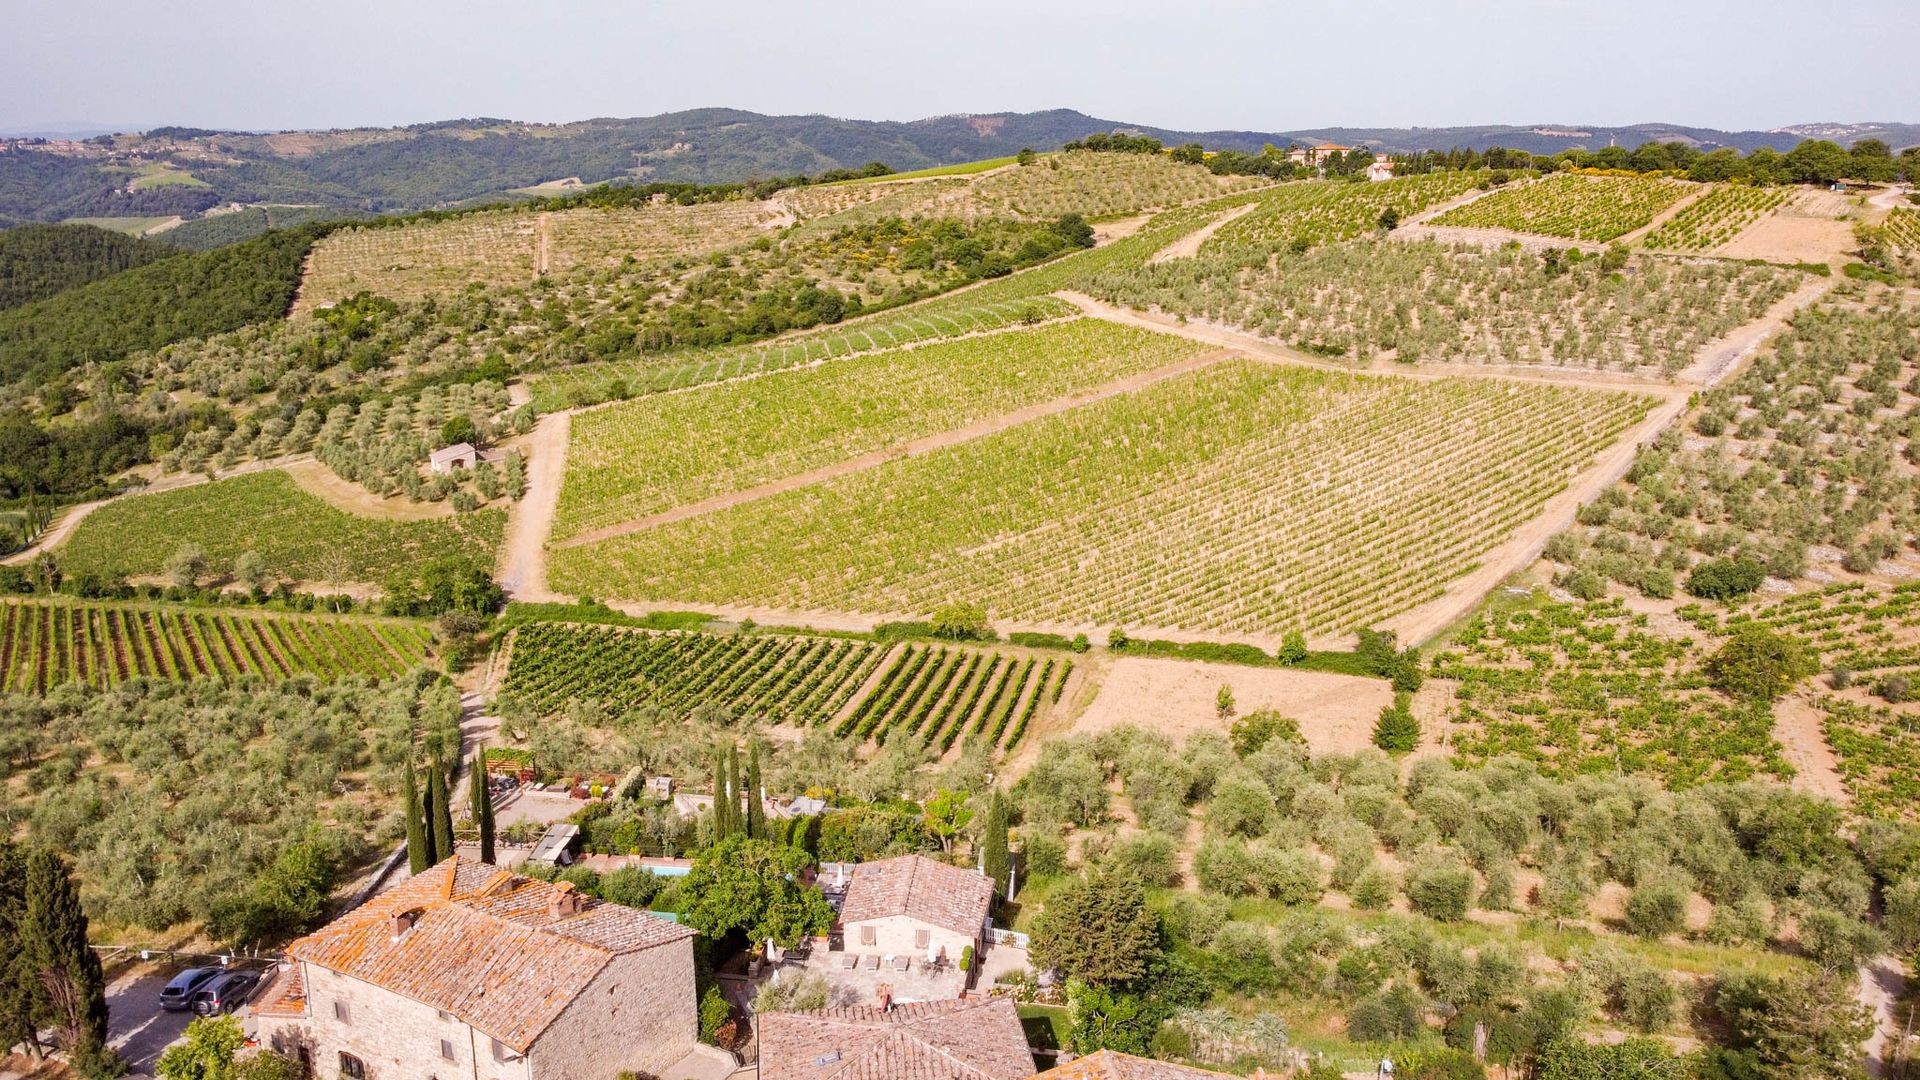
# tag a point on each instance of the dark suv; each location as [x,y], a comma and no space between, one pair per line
[177,996]
[226,993]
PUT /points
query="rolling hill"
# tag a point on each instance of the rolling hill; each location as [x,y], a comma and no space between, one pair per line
[442,163]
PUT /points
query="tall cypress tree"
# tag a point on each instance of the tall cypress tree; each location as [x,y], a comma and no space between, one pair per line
[756,810]
[442,813]
[719,793]
[993,844]
[735,823]
[482,797]
[419,845]
[54,939]
[19,985]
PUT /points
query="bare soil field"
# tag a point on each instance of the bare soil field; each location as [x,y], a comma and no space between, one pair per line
[1806,229]
[1177,697]
[323,483]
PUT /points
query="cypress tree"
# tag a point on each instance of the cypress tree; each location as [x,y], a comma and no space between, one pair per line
[756,810]
[482,797]
[19,986]
[55,942]
[419,847]
[734,820]
[994,859]
[442,813]
[719,793]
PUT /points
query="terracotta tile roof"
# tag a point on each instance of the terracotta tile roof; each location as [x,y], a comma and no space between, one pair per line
[920,888]
[1107,1065]
[286,995]
[483,946]
[967,1039]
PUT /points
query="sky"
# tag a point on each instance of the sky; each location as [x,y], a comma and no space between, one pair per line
[1186,64]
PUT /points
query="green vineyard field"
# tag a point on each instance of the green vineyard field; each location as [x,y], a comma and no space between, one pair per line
[44,645]
[941,693]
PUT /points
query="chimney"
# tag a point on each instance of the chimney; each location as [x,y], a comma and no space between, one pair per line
[884,996]
[402,921]
[564,900]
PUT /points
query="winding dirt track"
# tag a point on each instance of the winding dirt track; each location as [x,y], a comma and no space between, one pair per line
[1189,245]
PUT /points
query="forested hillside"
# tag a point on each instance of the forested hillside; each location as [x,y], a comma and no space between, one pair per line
[37,261]
[454,161]
[154,305]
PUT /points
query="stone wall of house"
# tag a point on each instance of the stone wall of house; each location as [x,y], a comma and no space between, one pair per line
[395,1037]
[638,1015]
[895,936]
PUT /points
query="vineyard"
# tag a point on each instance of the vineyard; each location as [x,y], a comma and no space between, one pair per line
[1420,300]
[1315,210]
[630,460]
[1903,226]
[296,535]
[1804,464]
[1300,214]
[500,248]
[942,694]
[1593,208]
[1246,497]
[1716,218]
[1585,687]
[1872,634]
[590,384]
[45,645]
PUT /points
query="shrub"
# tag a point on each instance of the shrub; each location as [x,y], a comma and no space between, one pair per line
[1441,889]
[1392,1015]
[1656,910]
[1045,853]
[1725,579]
[1373,890]
[714,1014]
[1397,732]
[1757,664]
[1257,728]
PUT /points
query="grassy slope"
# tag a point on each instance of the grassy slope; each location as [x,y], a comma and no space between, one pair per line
[298,535]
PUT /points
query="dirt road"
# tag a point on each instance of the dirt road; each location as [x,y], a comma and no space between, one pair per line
[1189,245]
[1797,727]
[1882,984]
[1722,357]
[523,555]
[910,448]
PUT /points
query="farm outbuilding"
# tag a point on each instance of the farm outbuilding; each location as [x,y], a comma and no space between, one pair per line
[449,458]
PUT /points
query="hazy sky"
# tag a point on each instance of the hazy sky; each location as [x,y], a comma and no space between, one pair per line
[1192,64]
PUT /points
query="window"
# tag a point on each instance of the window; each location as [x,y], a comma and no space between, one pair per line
[342,1012]
[352,1067]
[446,1050]
[922,938]
[868,936]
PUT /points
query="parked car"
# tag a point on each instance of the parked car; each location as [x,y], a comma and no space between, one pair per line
[177,995]
[226,993]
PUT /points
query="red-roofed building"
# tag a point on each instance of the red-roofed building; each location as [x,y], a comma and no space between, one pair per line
[969,1039]
[471,971]
[913,906]
[1107,1065]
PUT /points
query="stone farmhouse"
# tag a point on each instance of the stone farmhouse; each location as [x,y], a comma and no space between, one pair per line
[468,970]
[965,1039]
[1312,155]
[913,906]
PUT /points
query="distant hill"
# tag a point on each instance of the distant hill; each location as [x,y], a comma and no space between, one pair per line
[37,261]
[440,164]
